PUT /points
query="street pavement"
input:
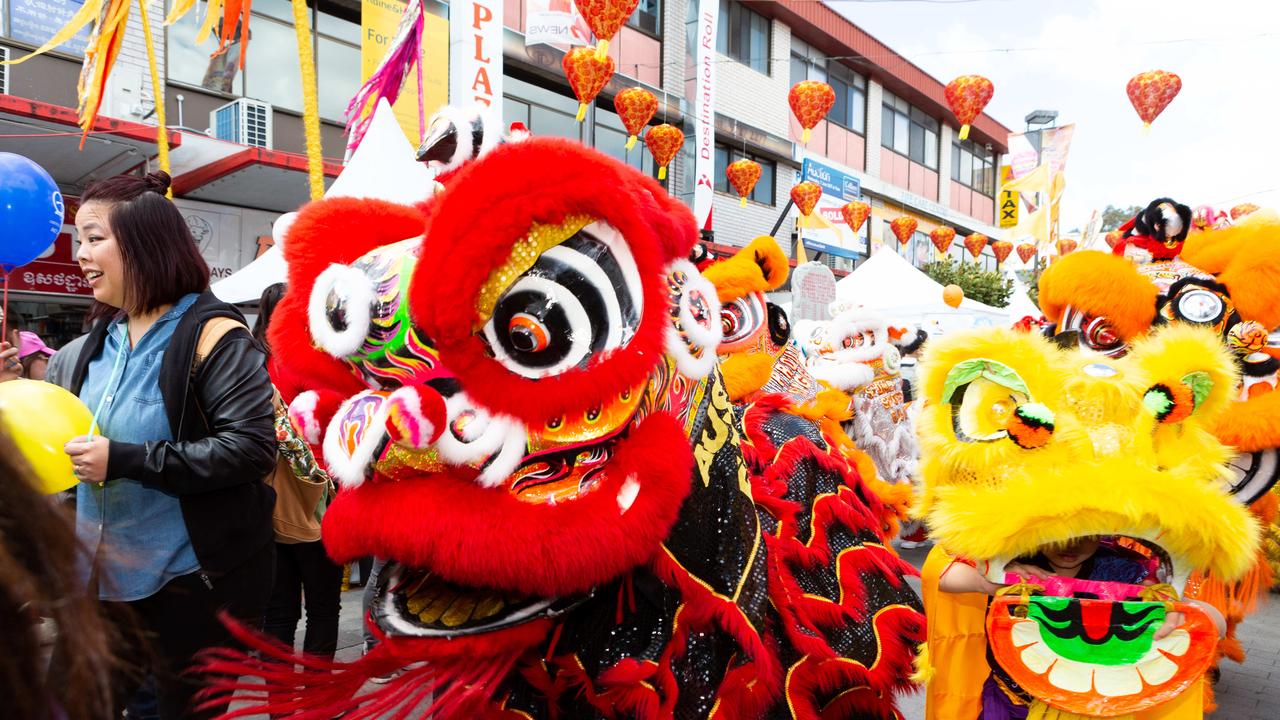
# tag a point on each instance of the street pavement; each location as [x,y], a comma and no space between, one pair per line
[1245,692]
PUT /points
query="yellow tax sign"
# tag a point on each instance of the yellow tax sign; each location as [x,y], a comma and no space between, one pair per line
[1008,201]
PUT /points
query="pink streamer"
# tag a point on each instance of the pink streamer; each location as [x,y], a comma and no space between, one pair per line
[388,79]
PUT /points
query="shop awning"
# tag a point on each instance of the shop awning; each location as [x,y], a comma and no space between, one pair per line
[50,136]
[252,178]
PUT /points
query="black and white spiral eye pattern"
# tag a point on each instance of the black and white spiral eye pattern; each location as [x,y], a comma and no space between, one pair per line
[741,318]
[581,297]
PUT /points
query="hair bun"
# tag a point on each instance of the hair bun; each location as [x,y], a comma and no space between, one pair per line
[158,181]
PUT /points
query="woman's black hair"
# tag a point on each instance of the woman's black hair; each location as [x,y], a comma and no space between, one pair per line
[266,306]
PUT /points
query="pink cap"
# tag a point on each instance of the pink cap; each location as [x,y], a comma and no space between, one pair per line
[31,344]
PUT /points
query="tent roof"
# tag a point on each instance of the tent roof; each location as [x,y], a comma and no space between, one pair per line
[888,283]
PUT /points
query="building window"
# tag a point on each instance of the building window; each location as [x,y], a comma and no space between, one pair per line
[973,165]
[35,21]
[744,36]
[271,71]
[647,17]
[763,191]
[907,130]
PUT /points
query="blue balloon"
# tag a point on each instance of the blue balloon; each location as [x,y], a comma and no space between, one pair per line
[30,210]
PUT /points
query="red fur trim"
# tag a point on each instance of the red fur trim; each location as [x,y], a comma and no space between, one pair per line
[466,242]
[483,537]
[704,609]
[899,629]
[459,674]
[338,230]
[1158,250]
[742,694]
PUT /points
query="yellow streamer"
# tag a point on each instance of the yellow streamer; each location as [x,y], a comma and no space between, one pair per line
[310,101]
[87,14]
[157,92]
[212,13]
[180,8]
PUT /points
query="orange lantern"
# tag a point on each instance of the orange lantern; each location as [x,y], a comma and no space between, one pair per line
[968,95]
[588,73]
[805,195]
[1001,249]
[1151,92]
[1026,251]
[605,18]
[903,228]
[855,214]
[664,141]
[942,237]
[636,107]
[1066,246]
[1243,209]
[743,176]
[810,100]
[975,243]
[953,295]
[1113,237]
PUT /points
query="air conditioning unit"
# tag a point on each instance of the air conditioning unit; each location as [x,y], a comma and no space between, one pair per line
[243,121]
[4,71]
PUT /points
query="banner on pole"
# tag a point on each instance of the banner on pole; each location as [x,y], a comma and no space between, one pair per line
[704,163]
[475,54]
[1008,200]
[379,20]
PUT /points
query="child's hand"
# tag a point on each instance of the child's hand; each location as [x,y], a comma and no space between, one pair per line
[1027,571]
[1172,622]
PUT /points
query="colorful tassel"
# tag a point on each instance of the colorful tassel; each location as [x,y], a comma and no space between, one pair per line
[387,80]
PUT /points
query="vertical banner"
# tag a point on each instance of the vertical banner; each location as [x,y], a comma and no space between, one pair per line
[1008,200]
[704,164]
[475,54]
[1054,145]
[379,21]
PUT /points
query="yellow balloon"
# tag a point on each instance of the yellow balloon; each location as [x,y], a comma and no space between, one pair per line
[41,417]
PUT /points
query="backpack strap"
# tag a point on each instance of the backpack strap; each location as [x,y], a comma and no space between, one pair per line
[210,334]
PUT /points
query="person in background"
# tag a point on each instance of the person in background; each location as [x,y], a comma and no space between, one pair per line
[34,354]
[63,361]
[10,348]
[171,500]
[303,569]
[39,581]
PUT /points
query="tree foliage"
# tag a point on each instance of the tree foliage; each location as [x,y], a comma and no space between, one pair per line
[1113,217]
[985,286]
[1031,278]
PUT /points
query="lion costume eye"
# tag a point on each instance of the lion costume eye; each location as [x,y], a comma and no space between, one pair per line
[340,309]
[580,298]
[990,401]
[741,318]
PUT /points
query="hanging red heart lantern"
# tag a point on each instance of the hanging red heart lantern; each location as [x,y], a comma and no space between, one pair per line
[605,18]
[664,141]
[855,214]
[968,95]
[806,195]
[1243,209]
[588,73]
[975,244]
[1026,251]
[1066,246]
[636,107]
[1001,249]
[942,237]
[903,228]
[743,176]
[810,101]
[1151,92]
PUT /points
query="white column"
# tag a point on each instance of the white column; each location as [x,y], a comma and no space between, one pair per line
[944,165]
[875,98]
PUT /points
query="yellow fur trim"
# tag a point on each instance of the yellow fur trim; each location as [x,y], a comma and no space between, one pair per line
[1099,283]
[1246,258]
[759,267]
[923,668]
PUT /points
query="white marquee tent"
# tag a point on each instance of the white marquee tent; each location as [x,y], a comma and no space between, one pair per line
[887,283]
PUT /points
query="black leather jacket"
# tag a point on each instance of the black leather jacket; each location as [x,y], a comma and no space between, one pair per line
[224,434]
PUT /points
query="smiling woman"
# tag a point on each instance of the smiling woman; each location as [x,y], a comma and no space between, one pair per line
[171,501]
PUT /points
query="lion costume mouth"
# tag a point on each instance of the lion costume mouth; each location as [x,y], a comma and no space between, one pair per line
[417,603]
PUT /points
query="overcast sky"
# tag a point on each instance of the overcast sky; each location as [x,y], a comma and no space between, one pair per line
[1217,143]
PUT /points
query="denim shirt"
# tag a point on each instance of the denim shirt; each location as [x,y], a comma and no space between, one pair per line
[136,533]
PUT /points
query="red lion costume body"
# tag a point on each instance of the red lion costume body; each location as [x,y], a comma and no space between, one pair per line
[514,384]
